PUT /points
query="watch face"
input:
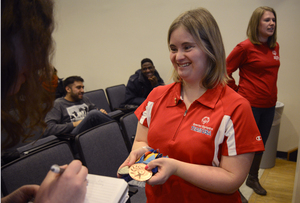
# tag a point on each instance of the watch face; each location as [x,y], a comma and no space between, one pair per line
[139,173]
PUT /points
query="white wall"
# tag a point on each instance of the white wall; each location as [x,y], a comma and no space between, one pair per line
[104,41]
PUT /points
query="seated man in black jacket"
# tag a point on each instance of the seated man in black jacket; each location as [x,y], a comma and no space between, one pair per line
[141,84]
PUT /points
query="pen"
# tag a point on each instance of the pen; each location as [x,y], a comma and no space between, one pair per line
[56,169]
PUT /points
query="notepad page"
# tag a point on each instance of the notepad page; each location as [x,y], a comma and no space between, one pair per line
[105,189]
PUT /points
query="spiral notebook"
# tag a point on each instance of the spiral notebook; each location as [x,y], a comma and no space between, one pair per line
[106,189]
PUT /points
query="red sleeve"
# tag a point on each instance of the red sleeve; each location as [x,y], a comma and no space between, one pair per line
[235,60]
[141,112]
[242,134]
[144,110]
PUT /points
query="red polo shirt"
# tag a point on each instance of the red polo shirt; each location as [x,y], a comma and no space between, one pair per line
[219,123]
[258,70]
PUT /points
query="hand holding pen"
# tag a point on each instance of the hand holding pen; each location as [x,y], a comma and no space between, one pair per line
[56,169]
[64,184]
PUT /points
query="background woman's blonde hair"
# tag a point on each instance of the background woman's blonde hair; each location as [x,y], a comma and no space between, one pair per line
[253,31]
[205,31]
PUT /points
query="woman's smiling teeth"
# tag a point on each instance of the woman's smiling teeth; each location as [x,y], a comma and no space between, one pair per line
[184,65]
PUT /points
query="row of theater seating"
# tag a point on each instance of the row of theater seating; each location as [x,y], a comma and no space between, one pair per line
[111,102]
[102,148]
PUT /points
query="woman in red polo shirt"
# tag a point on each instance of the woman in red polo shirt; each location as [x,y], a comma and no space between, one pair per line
[257,59]
[207,129]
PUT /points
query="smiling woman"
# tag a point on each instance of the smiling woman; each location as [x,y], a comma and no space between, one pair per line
[189,61]
[203,39]
[206,129]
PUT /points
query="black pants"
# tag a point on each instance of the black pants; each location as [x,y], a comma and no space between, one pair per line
[264,119]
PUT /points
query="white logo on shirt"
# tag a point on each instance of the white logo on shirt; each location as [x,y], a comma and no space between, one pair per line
[202,128]
[258,138]
[205,120]
[275,57]
[77,112]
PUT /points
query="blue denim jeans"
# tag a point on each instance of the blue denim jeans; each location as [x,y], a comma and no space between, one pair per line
[93,118]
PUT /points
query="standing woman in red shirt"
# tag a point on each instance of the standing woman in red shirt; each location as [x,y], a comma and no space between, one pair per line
[206,128]
[257,59]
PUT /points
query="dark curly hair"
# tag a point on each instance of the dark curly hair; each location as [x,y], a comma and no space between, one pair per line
[32,23]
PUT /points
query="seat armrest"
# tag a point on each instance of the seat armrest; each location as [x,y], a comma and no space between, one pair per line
[117,114]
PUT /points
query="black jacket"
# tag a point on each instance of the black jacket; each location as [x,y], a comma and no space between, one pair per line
[138,88]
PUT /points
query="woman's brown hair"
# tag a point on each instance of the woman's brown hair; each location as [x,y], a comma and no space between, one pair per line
[252,30]
[204,29]
[31,22]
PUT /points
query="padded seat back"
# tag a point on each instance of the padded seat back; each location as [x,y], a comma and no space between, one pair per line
[115,95]
[102,149]
[33,168]
[129,124]
[98,98]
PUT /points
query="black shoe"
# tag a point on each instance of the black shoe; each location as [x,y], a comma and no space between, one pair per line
[253,183]
[244,200]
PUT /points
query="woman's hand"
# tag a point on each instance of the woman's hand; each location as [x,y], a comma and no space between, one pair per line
[166,168]
[22,195]
[70,186]
[226,178]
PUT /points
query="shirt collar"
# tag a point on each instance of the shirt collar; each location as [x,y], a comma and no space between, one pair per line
[209,98]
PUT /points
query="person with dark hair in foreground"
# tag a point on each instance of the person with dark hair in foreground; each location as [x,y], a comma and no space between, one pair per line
[26,50]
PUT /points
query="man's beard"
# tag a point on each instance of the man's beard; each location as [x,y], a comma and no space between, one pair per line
[75,97]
